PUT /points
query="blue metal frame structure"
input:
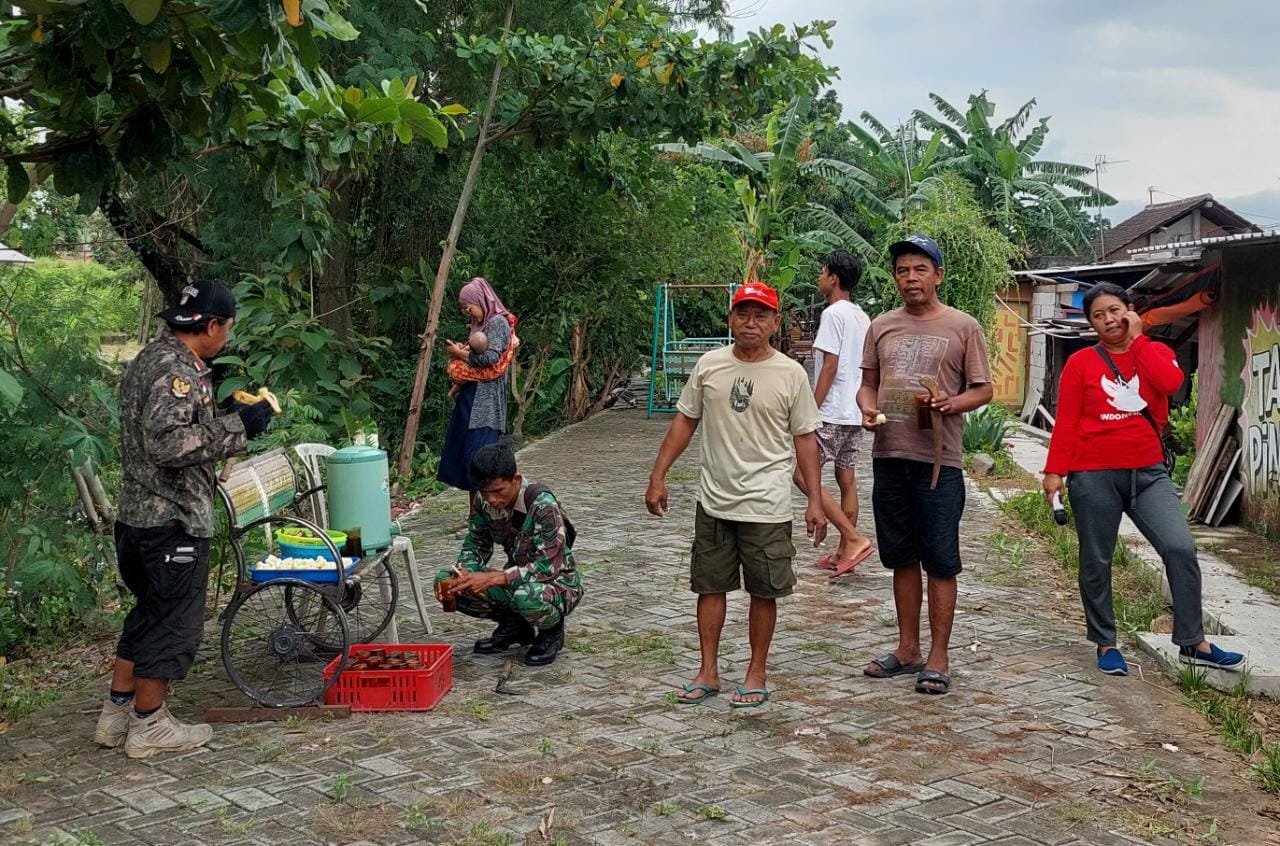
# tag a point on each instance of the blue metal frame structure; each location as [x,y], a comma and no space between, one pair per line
[672,358]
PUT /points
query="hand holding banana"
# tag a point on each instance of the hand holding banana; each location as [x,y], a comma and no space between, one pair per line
[247,398]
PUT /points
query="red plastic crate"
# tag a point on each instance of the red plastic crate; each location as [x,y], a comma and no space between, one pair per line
[394,690]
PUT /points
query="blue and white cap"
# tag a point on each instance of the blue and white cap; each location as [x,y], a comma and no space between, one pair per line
[917,244]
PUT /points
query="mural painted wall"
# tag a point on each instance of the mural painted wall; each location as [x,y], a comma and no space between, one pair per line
[1250,344]
[1260,412]
[1009,373]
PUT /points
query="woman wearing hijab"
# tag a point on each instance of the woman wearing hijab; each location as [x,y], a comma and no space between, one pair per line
[480,410]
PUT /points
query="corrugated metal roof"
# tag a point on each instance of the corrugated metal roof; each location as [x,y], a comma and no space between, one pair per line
[1175,249]
[8,256]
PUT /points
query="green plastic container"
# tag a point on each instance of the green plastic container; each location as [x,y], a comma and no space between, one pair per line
[360,495]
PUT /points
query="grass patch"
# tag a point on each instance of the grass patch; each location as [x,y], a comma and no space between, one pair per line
[1238,719]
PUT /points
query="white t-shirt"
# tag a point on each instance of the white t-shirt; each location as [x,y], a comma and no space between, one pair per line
[841,332]
[750,411]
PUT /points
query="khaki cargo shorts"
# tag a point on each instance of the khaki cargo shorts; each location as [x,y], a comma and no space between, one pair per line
[728,554]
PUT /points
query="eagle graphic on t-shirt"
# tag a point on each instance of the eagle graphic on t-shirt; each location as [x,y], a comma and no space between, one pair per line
[1123,395]
[740,394]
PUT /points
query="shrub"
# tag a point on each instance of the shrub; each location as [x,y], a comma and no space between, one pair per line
[57,396]
[985,430]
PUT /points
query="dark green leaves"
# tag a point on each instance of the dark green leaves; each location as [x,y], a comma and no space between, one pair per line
[17,182]
[143,11]
[236,16]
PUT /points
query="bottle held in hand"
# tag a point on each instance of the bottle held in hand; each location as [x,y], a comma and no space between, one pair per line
[1059,511]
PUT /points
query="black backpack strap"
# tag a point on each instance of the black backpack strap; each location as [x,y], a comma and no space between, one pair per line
[1115,371]
[535,489]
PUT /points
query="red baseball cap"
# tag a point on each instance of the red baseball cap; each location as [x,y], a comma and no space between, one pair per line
[756,292]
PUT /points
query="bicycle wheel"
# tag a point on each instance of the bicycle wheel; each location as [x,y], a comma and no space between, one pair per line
[270,642]
[369,603]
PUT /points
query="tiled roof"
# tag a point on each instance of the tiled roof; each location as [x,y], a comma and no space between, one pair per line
[1154,216]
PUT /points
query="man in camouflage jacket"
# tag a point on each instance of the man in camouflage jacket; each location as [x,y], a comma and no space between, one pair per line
[540,585]
[170,437]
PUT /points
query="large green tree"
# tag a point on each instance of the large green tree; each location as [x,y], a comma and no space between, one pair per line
[113,93]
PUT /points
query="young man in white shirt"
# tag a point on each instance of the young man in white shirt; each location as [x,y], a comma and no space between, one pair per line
[837,353]
[758,421]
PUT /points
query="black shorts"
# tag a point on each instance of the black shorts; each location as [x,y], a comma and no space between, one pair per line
[168,571]
[914,523]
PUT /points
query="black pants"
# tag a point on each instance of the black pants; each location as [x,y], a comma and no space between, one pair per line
[916,523]
[168,571]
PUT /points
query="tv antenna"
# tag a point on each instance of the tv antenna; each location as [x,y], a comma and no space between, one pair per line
[1100,165]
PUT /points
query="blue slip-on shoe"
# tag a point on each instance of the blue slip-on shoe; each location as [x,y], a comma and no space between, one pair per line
[1112,663]
[1217,658]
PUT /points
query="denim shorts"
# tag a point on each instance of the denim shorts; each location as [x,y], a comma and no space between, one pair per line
[914,523]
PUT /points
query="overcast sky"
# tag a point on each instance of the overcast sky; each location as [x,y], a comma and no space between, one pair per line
[1187,94]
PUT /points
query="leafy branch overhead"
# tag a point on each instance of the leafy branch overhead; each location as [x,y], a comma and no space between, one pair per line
[638,74]
[117,90]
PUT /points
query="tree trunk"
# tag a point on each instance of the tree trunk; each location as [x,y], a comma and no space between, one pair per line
[524,392]
[576,406]
[615,378]
[405,464]
[168,271]
[333,288]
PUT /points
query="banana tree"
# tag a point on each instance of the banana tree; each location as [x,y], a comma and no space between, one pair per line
[775,231]
[1036,202]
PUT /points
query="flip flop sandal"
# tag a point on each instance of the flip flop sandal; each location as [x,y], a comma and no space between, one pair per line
[757,691]
[826,562]
[843,568]
[932,682]
[890,666]
[707,692]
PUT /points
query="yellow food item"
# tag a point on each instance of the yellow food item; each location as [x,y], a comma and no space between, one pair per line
[880,419]
[252,399]
[293,12]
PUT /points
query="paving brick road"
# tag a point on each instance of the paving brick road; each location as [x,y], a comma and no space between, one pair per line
[1032,746]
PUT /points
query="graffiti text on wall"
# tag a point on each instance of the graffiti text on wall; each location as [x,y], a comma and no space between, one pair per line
[1260,417]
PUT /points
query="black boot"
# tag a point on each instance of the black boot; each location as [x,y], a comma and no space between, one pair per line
[545,646]
[511,630]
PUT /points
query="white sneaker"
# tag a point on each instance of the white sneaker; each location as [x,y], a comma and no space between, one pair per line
[113,724]
[161,732]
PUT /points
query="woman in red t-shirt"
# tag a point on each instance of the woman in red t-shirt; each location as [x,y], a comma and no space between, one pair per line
[1106,442]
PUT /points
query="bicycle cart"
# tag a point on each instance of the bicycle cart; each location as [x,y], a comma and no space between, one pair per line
[282,627]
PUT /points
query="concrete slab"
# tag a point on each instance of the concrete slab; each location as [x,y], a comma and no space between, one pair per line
[1264,675]
[1231,607]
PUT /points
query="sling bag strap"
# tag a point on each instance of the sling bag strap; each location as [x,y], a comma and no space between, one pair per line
[1146,412]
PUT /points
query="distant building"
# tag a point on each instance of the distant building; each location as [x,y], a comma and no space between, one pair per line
[1191,219]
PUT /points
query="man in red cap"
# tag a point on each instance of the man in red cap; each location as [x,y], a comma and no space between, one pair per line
[760,417]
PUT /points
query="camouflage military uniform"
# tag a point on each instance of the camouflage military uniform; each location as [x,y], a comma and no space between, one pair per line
[543,584]
[170,437]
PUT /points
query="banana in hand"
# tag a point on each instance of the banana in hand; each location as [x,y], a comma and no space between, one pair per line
[252,399]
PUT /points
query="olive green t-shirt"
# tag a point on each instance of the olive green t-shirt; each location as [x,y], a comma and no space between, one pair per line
[751,411]
[949,347]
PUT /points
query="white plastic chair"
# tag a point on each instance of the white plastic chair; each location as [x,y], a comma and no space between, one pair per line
[313,458]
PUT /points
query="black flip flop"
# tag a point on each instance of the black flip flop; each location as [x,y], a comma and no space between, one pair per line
[890,666]
[933,683]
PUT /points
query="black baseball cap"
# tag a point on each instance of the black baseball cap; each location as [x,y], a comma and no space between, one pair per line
[917,244]
[201,300]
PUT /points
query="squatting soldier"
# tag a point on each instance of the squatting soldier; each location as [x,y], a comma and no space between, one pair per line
[170,437]
[540,585]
